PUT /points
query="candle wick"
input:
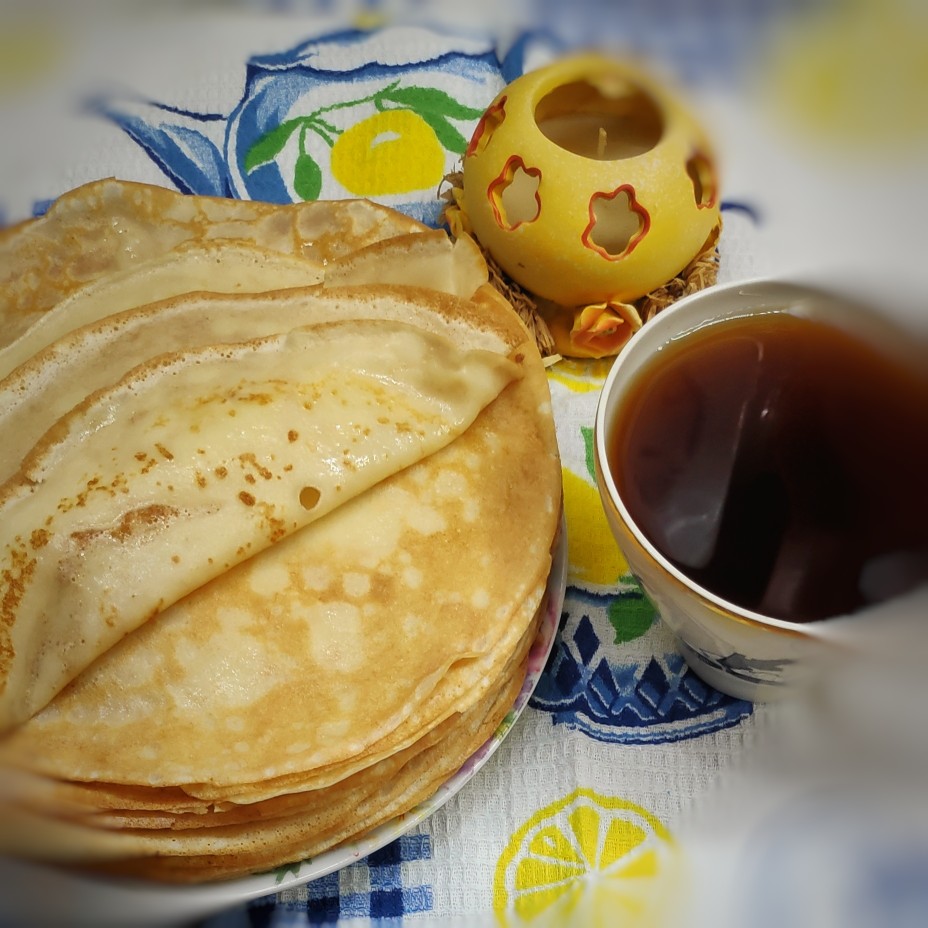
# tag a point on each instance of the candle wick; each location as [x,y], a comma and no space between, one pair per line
[601,142]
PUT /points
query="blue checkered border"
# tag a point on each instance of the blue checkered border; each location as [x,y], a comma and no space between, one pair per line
[337,896]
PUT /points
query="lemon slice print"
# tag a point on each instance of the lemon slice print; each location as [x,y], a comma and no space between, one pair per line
[395,151]
[594,555]
[580,376]
[587,860]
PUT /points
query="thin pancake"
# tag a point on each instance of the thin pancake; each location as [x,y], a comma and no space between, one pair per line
[192,463]
[231,850]
[423,259]
[455,267]
[100,805]
[425,567]
[223,268]
[330,673]
[87,359]
[110,226]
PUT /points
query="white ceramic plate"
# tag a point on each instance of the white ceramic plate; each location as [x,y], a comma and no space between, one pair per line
[35,895]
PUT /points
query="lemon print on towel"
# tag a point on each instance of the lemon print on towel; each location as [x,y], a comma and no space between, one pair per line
[395,139]
[580,375]
[392,152]
[587,860]
[595,559]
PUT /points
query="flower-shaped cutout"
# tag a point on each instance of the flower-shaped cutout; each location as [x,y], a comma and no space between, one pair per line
[618,222]
[489,122]
[514,194]
[700,172]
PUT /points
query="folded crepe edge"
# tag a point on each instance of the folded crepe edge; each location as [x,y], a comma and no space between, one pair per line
[23,700]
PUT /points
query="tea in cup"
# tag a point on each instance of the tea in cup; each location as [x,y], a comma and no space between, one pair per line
[762,457]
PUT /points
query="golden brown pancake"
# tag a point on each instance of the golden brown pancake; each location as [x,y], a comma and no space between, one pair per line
[195,461]
[197,687]
[223,267]
[60,374]
[228,850]
[111,227]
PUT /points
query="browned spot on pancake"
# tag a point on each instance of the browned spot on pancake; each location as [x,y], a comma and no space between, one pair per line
[277,529]
[221,472]
[246,498]
[110,618]
[164,452]
[292,435]
[130,525]
[39,538]
[15,579]
[249,460]
[119,484]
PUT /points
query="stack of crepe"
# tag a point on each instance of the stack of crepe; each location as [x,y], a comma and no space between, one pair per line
[279,491]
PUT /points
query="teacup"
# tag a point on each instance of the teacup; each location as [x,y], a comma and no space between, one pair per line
[755,649]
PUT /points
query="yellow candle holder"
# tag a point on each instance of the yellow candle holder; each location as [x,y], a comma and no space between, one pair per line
[590,184]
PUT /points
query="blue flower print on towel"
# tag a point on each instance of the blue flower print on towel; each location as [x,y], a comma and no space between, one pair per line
[383,115]
[637,691]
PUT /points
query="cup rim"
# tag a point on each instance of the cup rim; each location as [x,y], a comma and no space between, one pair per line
[764,288]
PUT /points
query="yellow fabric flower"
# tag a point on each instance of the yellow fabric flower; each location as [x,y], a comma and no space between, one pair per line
[454,216]
[595,331]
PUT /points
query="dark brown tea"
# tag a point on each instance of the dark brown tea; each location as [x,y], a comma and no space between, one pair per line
[781,464]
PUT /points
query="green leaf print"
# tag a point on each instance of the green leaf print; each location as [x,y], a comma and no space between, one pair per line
[631,615]
[307,177]
[434,106]
[587,434]
[269,146]
[450,138]
[430,100]
[281,873]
